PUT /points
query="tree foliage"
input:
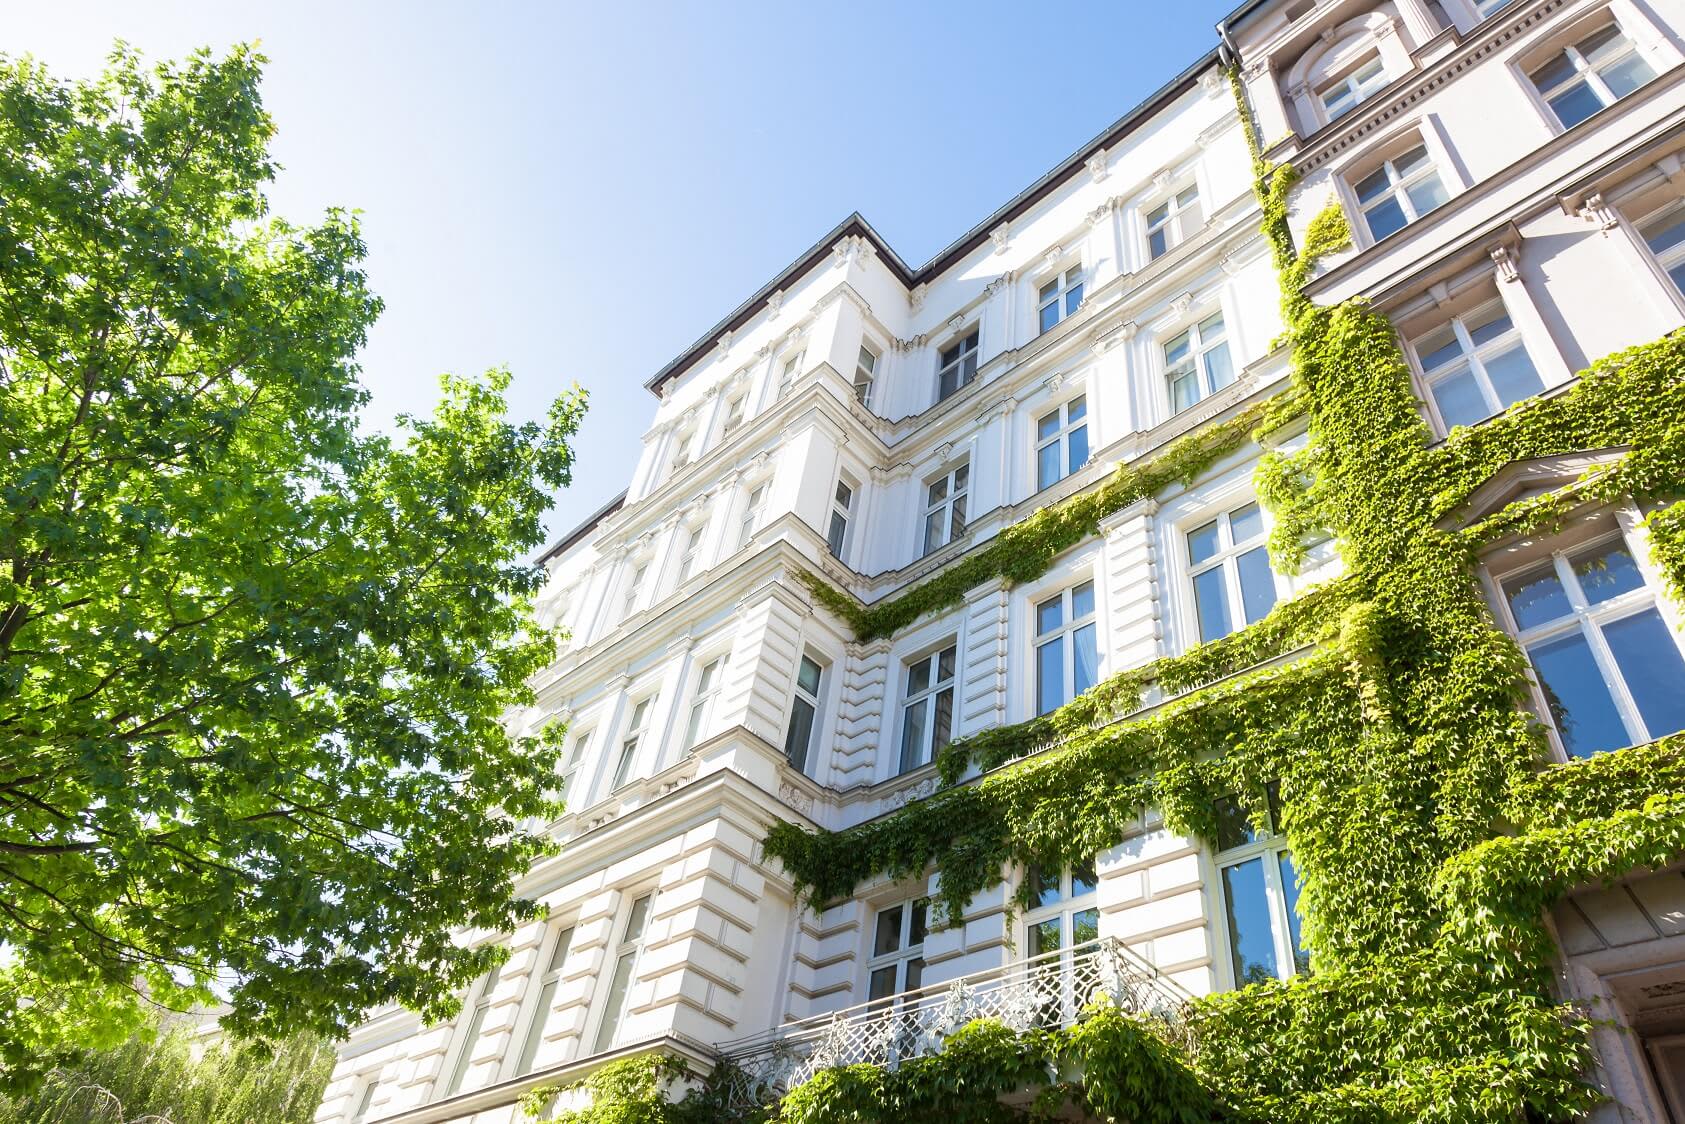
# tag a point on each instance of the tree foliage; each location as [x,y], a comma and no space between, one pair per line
[254,663]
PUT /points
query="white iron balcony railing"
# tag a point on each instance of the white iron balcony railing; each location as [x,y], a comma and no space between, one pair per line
[1048,991]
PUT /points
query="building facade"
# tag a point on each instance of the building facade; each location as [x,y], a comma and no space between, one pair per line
[1512,176]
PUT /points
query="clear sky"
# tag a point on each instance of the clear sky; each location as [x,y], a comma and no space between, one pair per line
[578,191]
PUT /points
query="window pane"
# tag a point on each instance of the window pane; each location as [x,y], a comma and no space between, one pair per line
[1077,443]
[938,492]
[1251,938]
[919,924]
[1385,218]
[1579,699]
[912,736]
[535,1032]
[1184,390]
[1372,187]
[1083,879]
[1219,371]
[1290,890]
[1044,887]
[1050,676]
[839,528]
[1557,70]
[1512,374]
[1158,214]
[619,985]
[882,985]
[1045,937]
[1212,604]
[1234,824]
[1076,408]
[1050,614]
[1413,161]
[933,524]
[944,719]
[1648,656]
[1047,465]
[957,519]
[1488,324]
[1245,523]
[1537,598]
[1176,350]
[888,935]
[1073,298]
[1157,243]
[1085,926]
[1048,425]
[1082,600]
[1426,194]
[1665,231]
[1626,75]
[1459,399]
[1049,315]
[915,974]
[1606,571]
[460,1069]
[1575,104]
[1257,584]
[1085,660]
[1202,542]
[808,676]
[945,664]
[800,734]
[1438,348]
[918,677]
[693,728]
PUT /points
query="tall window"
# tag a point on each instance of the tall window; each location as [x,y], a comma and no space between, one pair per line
[1476,365]
[1608,664]
[842,502]
[707,687]
[804,709]
[634,587]
[1173,221]
[1059,297]
[1062,912]
[927,717]
[788,376]
[1067,647]
[897,961]
[625,962]
[865,370]
[471,1035]
[548,983]
[692,548]
[366,1101]
[1260,898]
[734,407]
[1399,192]
[1061,442]
[957,366]
[1664,233]
[1197,363]
[1230,566]
[629,744]
[681,450]
[570,769]
[751,515]
[1342,95]
[944,507]
[1586,76]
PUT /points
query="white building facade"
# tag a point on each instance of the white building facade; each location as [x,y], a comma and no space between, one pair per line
[877,424]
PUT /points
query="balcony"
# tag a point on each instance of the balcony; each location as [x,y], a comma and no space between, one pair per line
[1048,991]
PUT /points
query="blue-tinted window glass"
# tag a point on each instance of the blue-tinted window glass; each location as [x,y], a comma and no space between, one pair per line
[1047,466]
[1537,598]
[1513,375]
[1606,571]
[1575,104]
[1234,824]
[1083,879]
[1245,523]
[1085,659]
[1212,603]
[1050,614]
[1202,543]
[1050,676]
[1385,218]
[1459,399]
[1082,600]
[1078,442]
[1648,655]
[1290,888]
[1251,940]
[1257,584]
[1580,703]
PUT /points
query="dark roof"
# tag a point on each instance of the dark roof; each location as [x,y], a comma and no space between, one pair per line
[945,258]
[584,528]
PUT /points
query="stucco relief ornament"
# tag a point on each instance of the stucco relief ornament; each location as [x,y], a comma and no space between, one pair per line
[795,798]
[1001,236]
[916,297]
[725,345]
[1596,210]
[1097,169]
[775,303]
[918,791]
[1182,304]
[1508,268]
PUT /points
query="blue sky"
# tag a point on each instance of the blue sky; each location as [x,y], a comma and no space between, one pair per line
[578,191]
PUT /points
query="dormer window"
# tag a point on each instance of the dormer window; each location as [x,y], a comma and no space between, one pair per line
[1357,84]
[1059,297]
[958,365]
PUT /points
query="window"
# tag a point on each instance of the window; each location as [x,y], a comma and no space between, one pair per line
[1399,192]
[1230,567]
[787,379]
[944,507]
[1607,663]
[927,717]
[865,370]
[692,547]
[1343,94]
[1060,926]
[897,961]
[957,366]
[1197,363]
[548,983]
[1067,647]
[1060,297]
[1173,221]
[1476,365]
[733,414]
[681,450]
[836,536]
[570,769]
[1061,442]
[476,1020]
[629,744]
[1664,233]
[751,515]
[707,687]
[1584,77]
[620,984]
[1260,897]
[634,586]
[804,708]
[1488,7]
[365,1101]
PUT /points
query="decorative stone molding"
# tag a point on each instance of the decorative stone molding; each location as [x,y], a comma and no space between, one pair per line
[1505,258]
[912,343]
[1054,382]
[1212,82]
[908,795]
[997,284]
[1208,135]
[1182,304]
[1054,257]
[1103,339]
[1001,236]
[795,799]
[1161,179]
[955,323]
[1096,165]
[775,304]
[1230,264]
[944,451]
[1596,210]
[916,297]
[1104,211]
[724,345]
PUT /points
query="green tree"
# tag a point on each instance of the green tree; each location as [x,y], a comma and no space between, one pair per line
[254,663]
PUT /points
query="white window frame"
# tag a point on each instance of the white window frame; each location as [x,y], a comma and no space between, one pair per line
[1582,70]
[627,950]
[1183,218]
[842,515]
[928,702]
[1357,83]
[789,373]
[865,374]
[1061,436]
[1398,187]
[637,573]
[799,696]
[1589,620]
[682,443]
[631,743]
[1198,361]
[691,549]
[1227,558]
[1673,257]
[1065,632]
[472,1030]
[1056,293]
[1269,846]
[1475,356]
[548,982]
[906,952]
[707,690]
[736,405]
[950,510]
[366,1101]
[965,362]
[571,768]
[754,505]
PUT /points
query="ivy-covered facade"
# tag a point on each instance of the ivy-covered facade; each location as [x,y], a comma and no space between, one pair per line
[1307,733]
